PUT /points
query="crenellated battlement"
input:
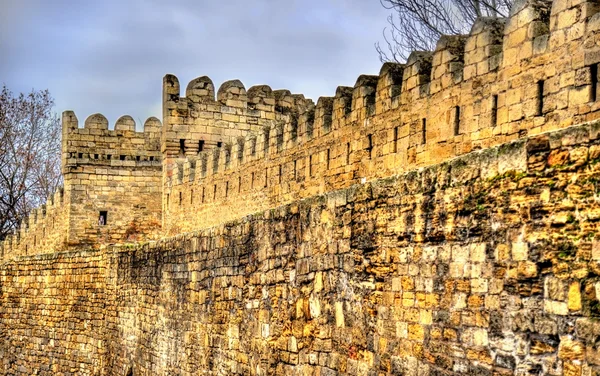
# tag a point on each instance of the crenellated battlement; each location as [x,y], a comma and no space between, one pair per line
[200,121]
[506,79]
[441,216]
[44,230]
[97,145]
[225,152]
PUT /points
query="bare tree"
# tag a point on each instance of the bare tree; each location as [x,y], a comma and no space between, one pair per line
[416,25]
[29,155]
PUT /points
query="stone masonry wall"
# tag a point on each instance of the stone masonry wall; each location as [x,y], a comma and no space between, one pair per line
[52,313]
[45,230]
[507,79]
[118,172]
[488,264]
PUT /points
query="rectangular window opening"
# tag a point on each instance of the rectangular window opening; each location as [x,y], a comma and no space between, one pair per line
[456,120]
[219,144]
[348,153]
[138,158]
[121,157]
[102,218]
[200,146]
[423,131]
[79,155]
[540,97]
[594,80]
[181,147]
[494,110]
[280,174]
[95,156]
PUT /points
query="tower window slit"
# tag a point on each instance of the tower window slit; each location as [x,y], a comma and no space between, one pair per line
[456,120]
[423,131]
[395,146]
[594,81]
[280,174]
[495,110]
[540,97]
[102,218]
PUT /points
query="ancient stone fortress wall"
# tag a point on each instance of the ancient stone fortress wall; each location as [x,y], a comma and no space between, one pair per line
[112,173]
[45,230]
[116,172]
[53,313]
[488,264]
[533,72]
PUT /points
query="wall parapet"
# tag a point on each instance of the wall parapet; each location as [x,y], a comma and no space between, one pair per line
[488,254]
[97,145]
[44,229]
[505,80]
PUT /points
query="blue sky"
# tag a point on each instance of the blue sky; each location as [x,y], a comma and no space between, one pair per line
[110,56]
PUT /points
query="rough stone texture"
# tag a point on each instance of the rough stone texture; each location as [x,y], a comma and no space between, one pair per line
[473,92]
[117,171]
[438,219]
[450,269]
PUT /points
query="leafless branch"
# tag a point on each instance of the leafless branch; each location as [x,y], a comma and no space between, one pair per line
[416,25]
[29,155]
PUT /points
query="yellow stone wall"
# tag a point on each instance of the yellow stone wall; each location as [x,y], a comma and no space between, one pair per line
[375,129]
[488,264]
[117,171]
[336,238]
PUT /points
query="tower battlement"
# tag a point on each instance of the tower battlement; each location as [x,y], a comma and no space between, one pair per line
[97,145]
